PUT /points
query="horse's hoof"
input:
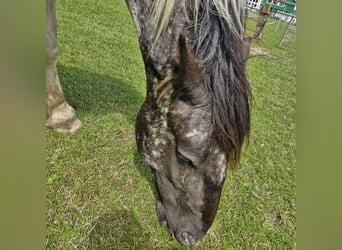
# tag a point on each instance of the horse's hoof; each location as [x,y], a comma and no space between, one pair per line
[64,119]
[69,126]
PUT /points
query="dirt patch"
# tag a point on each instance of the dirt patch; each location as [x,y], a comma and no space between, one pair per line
[257,51]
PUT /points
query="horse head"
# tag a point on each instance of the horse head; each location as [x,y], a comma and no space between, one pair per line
[176,138]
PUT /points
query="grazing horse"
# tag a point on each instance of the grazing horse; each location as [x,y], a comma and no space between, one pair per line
[196,113]
[195,117]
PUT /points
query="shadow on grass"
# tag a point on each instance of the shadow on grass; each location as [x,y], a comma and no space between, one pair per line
[98,93]
[118,229]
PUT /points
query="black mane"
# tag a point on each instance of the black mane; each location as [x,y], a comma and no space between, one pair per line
[218,50]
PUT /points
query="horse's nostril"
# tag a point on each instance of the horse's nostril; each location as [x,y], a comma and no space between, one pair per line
[186,238]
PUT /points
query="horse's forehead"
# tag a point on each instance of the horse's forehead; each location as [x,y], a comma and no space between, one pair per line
[183,110]
[188,117]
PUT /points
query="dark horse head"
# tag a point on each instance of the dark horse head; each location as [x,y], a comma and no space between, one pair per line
[196,113]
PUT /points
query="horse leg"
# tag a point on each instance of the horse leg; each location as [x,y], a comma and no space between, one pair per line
[59,114]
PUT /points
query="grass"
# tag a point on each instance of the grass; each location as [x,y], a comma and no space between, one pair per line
[100,193]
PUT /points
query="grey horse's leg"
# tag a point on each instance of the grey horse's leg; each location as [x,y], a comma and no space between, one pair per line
[59,114]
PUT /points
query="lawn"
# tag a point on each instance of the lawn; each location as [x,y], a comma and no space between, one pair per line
[100,193]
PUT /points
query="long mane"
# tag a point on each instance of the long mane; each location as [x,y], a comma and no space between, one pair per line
[217,46]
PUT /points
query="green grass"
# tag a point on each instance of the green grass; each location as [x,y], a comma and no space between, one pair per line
[100,193]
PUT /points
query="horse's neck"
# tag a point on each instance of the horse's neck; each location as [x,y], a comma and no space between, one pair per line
[157,55]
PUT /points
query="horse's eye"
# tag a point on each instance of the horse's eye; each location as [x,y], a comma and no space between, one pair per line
[183,160]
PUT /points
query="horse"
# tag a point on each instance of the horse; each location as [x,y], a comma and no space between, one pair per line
[59,114]
[196,115]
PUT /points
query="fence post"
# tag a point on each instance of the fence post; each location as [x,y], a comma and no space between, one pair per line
[285,33]
[262,20]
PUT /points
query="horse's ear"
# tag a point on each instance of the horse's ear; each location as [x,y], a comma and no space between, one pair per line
[246,47]
[189,84]
[184,61]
